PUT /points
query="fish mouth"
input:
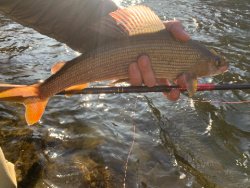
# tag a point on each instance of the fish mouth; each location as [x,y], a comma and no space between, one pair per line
[224,68]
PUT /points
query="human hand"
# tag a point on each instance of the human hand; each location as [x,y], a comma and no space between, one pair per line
[142,72]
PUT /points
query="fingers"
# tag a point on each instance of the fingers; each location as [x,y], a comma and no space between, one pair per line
[135,77]
[176,29]
[174,94]
[147,72]
[142,72]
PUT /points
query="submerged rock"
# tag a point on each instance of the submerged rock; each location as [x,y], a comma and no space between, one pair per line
[24,152]
[80,171]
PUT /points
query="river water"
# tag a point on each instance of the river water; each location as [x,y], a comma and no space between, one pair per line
[133,140]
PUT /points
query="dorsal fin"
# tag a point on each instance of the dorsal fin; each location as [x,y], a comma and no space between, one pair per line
[131,21]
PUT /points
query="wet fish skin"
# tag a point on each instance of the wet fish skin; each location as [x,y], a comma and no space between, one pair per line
[169,58]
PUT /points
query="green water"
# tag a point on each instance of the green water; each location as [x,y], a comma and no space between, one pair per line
[84,141]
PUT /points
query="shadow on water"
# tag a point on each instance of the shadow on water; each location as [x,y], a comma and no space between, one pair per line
[84,141]
[166,126]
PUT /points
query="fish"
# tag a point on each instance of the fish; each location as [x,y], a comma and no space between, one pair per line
[134,30]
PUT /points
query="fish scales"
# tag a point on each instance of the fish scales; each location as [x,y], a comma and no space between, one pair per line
[168,57]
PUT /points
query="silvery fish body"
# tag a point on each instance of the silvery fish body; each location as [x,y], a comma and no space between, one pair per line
[169,58]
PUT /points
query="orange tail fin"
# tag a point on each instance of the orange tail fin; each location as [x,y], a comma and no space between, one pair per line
[27,95]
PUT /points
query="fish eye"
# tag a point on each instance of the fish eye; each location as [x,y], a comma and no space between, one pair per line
[217,61]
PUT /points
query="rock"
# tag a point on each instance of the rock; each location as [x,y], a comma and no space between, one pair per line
[25,152]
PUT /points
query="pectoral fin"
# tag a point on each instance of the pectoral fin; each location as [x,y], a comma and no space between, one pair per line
[188,81]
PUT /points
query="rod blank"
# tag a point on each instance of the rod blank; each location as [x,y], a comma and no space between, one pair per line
[161,88]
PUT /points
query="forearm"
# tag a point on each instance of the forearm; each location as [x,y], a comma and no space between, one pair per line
[65,20]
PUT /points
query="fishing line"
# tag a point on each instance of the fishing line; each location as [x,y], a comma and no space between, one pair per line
[221,102]
[131,147]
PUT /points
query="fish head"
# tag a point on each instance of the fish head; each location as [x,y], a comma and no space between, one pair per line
[218,63]
[213,65]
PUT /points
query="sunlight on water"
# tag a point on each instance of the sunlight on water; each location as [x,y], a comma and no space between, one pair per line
[118,2]
[196,24]
[209,125]
[54,133]
[129,2]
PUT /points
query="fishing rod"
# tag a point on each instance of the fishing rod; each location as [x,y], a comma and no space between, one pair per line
[161,88]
